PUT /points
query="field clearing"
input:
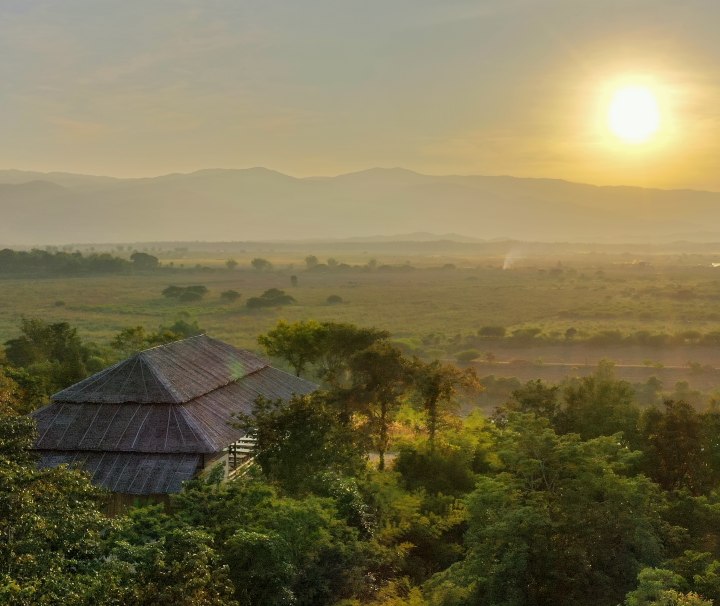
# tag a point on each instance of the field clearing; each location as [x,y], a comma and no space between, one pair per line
[427,308]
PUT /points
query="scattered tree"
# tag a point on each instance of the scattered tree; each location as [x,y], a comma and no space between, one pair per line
[261,264]
[230,295]
[143,260]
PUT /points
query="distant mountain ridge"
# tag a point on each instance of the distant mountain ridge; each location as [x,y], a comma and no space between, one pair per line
[261,204]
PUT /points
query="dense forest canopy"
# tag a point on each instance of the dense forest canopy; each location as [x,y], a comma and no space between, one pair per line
[375,491]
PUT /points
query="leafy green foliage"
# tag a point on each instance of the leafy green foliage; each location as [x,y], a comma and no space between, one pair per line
[380,376]
[436,386]
[53,356]
[279,550]
[167,566]
[560,524]
[299,344]
[298,440]
[327,347]
[51,551]
[658,587]
[598,405]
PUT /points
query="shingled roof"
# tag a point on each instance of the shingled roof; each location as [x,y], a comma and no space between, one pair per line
[146,423]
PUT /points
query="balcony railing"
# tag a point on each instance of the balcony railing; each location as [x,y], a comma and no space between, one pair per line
[240,456]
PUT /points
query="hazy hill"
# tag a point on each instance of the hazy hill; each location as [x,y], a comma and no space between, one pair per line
[260,204]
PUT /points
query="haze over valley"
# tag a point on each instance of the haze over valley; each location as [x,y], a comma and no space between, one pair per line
[261,204]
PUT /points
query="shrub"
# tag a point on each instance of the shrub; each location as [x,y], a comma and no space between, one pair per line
[492,331]
[185,293]
[230,295]
[467,356]
[172,291]
[189,295]
[272,297]
[334,300]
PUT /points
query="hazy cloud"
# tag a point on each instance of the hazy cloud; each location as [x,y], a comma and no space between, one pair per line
[324,86]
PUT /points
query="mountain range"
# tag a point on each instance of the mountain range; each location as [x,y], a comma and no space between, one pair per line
[261,204]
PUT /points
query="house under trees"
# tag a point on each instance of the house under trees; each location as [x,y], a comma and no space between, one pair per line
[142,427]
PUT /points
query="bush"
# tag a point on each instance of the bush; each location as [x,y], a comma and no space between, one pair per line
[230,295]
[526,334]
[334,300]
[492,331]
[467,356]
[270,298]
[172,291]
[185,293]
[189,295]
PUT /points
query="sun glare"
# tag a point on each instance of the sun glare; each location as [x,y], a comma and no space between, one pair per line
[634,114]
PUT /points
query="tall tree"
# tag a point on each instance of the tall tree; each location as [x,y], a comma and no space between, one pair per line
[598,405]
[381,375]
[302,438]
[436,386]
[298,343]
[327,347]
[676,452]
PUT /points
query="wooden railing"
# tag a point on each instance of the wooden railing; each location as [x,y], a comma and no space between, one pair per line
[241,455]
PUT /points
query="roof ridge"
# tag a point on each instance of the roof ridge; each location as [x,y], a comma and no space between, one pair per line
[161,378]
[163,345]
[230,382]
[197,430]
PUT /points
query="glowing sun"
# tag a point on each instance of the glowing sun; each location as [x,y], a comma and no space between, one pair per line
[634,114]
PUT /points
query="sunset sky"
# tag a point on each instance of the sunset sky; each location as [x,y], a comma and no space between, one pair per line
[307,87]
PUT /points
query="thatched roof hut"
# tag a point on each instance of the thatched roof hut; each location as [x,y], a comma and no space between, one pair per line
[148,423]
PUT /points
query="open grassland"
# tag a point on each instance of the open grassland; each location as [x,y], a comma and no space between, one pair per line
[424,308]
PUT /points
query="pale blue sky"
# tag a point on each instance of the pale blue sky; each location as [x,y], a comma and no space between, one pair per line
[322,87]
